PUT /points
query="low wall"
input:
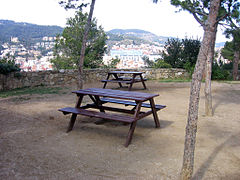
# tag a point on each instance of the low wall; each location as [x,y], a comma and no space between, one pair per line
[67,77]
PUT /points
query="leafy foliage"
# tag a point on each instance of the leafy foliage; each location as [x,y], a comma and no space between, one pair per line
[147,61]
[228,51]
[112,63]
[68,46]
[7,65]
[161,64]
[172,53]
[181,53]
[73,4]
[219,73]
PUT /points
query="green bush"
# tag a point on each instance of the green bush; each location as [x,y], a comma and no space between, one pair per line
[7,65]
[161,64]
[218,73]
[189,68]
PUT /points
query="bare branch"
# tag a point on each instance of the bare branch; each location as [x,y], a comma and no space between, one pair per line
[198,19]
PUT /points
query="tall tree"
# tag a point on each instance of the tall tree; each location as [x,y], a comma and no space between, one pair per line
[208,75]
[72,4]
[231,52]
[209,27]
[233,23]
[68,45]
[208,13]
[228,12]
[235,47]
[191,128]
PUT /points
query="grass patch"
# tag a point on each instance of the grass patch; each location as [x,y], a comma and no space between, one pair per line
[229,82]
[30,91]
[175,80]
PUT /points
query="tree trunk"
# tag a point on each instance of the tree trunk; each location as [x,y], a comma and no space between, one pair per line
[235,64]
[84,41]
[191,128]
[208,73]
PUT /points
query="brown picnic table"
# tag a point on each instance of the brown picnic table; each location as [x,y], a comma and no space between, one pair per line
[98,107]
[130,77]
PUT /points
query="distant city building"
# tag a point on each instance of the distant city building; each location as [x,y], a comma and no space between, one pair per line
[131,56]
[30,59]
[14,39]
[128,58]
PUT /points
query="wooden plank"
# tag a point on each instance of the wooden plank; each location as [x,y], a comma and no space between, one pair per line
[115,117]
[128,81]
[125,72]
[138,96]
[117,81]
[130,78]
[131,103]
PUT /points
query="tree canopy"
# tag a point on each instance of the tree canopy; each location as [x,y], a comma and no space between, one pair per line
[8,65]
[181,53]
[68,45]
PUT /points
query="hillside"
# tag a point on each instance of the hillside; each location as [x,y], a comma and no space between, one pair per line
[26,32]
[137,36]
[31,33]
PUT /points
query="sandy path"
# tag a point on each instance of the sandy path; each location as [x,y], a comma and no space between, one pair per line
[34,145]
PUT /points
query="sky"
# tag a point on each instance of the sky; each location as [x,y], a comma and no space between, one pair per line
[160,19]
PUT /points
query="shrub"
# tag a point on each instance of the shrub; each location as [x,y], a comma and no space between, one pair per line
[189,68]
[7,65]
[218,73]
[161,64]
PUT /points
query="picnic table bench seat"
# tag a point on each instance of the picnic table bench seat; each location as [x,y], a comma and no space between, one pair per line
[127,80]
[115,117]
[131,103]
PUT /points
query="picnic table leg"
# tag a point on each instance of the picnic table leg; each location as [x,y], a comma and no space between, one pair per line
[71,123]
[132,81]
[133,124]
[157,123]
[130,133]
[116,77]
[144,85]
[74,116]
[105,83]
[99,105]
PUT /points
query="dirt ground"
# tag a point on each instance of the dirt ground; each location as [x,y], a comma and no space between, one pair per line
[34,143]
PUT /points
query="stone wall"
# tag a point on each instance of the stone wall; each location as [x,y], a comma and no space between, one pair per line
[67,77]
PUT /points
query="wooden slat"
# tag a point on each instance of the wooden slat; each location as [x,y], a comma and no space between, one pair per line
[127,81]
[116,81]
[116,117]
[131,103]
[130,78]
[138,96]
[124,72]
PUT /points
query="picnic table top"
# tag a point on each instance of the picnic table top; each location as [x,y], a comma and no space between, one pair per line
[130,95]
[125,72]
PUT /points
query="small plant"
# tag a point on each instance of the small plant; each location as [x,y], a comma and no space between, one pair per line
[7,65]
[189,68]
[112,63]
[218,73]
[161,64]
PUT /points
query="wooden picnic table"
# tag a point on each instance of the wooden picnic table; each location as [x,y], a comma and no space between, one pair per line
[101,97]
[131,78]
